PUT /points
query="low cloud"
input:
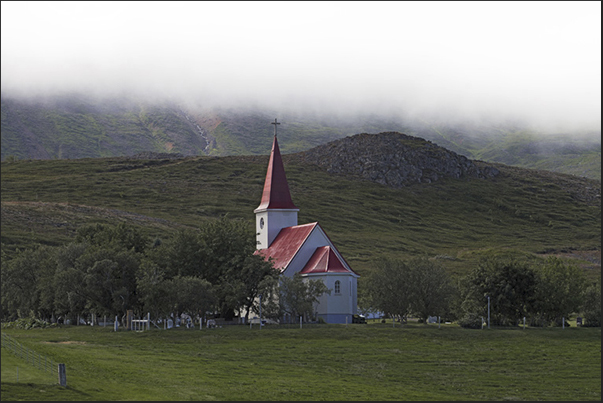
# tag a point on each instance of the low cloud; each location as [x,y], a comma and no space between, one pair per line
[535,62]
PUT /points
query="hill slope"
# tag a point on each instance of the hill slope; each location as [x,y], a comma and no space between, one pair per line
[454,218]
[76,126]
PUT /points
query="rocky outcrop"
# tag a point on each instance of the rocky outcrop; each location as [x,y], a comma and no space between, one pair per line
[394,159]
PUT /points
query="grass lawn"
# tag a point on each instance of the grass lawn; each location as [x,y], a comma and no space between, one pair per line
[320,362]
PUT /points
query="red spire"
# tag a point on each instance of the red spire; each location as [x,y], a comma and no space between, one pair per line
[276,190]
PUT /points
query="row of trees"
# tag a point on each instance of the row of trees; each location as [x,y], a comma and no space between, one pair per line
[110,269]
[545,292]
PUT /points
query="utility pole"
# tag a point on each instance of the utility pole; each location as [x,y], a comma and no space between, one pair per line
[488,312]
[261,294]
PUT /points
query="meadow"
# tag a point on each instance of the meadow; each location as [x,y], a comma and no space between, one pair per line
[374,361]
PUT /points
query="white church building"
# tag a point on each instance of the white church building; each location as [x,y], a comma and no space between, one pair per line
[302,248]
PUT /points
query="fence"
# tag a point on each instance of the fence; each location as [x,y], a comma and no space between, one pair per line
[38,361]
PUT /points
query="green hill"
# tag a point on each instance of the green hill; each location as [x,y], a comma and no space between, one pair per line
[76,126]
[456,219]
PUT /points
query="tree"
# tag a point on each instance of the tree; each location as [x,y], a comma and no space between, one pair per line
[121,236]
[69,296]
[591,306]
[221,252]
[241,286]
[389,288]
[153,289]
[297,295]
[559,290]
[27,283]
[431,289]
[183,255]
[191,295]
[510,284]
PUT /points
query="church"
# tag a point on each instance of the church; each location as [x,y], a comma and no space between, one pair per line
[302,248]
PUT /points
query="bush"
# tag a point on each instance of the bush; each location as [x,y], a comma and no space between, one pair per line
[538,321]
[27,323]
[592,321]
[471,321]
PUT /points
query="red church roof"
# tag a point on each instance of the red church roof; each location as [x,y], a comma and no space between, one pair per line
[276,190]
[324,260]
[286,244]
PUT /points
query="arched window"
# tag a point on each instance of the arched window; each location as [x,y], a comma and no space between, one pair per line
[337,287]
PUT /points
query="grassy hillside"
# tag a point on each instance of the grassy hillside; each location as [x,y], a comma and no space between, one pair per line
[76,126]
[520,211]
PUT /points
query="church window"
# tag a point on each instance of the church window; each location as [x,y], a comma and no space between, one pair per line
[337,287]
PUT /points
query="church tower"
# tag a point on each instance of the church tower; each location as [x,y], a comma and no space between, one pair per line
[276,210]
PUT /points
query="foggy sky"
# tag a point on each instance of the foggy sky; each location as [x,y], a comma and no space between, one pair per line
[533,60]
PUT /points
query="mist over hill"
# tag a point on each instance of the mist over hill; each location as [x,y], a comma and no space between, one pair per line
[76,126]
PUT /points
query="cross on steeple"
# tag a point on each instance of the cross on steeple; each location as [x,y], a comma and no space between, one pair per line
[275,123]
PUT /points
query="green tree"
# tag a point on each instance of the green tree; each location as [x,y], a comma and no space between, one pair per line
[153,289]
[221,252]
[591,306]
[241,285]
[298,295]
[70,296]
[183,255]
[27,283]
[510,284]
[559,291]
[431,289]
[120,237]
[389,288]
[191,295]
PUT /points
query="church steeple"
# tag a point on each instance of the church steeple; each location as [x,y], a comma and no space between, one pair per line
[276,210]
[276,193]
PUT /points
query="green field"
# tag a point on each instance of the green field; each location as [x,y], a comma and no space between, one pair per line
[318,362]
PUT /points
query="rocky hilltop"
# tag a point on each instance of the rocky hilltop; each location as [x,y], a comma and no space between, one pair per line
[394,159]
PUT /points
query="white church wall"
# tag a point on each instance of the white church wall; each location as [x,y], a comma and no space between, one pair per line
[337,307]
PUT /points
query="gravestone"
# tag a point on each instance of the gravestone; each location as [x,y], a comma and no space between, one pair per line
[578,321]
[170,323]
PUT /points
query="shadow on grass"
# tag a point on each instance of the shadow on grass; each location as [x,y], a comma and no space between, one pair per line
[37,392]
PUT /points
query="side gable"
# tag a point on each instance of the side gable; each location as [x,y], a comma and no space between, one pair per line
[315,240]
[324,260]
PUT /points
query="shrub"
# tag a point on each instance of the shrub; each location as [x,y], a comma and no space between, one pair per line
[471,321]
[27,323]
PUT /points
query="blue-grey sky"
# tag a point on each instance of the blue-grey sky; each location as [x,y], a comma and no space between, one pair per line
[535,60]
